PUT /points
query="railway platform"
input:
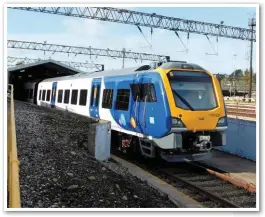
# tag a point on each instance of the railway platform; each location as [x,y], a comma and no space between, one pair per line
[238,168]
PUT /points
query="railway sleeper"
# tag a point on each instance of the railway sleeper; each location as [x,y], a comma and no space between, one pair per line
[212,183]
[198,178]
[231,194]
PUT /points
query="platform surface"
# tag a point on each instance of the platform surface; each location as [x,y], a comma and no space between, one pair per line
[237,167]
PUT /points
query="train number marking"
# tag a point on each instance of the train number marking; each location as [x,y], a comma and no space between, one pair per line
[215,115]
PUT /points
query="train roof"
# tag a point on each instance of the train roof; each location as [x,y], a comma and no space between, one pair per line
[127,71]
[181,65]
[123,71]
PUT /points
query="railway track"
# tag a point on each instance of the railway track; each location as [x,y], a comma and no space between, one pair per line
[205,188]
[241,111]
[194,180]
[242,114]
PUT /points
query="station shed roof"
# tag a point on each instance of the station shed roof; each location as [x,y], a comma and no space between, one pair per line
[39,70]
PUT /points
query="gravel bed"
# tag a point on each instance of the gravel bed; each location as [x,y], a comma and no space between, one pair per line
[56,171]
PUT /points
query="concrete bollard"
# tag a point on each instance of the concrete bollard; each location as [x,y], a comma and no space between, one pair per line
[99,137]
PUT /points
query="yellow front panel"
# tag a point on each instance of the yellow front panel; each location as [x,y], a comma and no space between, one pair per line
[195,120]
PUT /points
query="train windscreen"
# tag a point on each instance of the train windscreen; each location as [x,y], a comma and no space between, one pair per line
[192,90]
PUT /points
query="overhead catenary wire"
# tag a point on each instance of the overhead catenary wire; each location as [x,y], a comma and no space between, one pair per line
[139,28]
[186,49]
[216,52]
[151,35]
[188,39]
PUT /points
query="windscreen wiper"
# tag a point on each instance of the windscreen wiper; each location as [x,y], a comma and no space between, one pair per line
[183,100]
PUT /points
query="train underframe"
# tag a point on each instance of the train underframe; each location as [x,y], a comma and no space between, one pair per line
[187,146]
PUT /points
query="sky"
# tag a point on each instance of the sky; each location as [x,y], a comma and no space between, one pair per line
[40,27]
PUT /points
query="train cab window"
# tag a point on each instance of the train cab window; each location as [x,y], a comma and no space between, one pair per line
[107,98]
[122,100]
[30,93]
[83,96]
[74,97]
[40,94]
[48,97]
[60,96]
[66,96]
[43,95]
[143,90]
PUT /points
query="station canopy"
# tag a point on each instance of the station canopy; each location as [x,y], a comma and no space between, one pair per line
[40,70]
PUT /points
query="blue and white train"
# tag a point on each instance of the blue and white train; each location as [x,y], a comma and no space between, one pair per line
[175,111]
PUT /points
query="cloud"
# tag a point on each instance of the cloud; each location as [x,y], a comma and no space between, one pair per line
[84,27]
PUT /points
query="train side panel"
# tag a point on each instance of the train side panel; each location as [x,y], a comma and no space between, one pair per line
[136,116]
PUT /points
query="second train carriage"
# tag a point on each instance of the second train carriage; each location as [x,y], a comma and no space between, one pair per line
[176,110]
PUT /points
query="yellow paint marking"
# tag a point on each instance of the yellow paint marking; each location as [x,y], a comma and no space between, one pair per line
[192,118]
[13,163]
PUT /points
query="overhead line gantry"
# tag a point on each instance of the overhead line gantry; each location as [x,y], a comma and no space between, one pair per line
[151,20]
[55,48]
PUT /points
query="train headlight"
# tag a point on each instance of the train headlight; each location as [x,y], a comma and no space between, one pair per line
[222,122]
[176,122]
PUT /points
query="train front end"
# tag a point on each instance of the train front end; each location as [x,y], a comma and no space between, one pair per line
[198,116]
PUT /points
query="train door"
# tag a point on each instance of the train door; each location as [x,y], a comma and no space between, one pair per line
[94,98]
[54,88]
[151,112]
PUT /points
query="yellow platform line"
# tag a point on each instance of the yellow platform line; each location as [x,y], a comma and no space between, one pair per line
[13,163]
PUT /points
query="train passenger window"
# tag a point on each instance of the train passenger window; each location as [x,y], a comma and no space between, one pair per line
[48,97]
[122,100]
[83,96]
[107,98]
[74,97]
[92,95]
[40,94]
[142,90]
[66,96]
[60,96]
[30,93]
[43,95]
[97,96]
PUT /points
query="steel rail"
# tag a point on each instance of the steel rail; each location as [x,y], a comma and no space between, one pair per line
[212,196]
